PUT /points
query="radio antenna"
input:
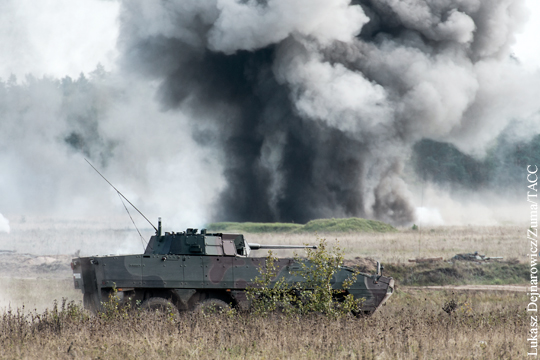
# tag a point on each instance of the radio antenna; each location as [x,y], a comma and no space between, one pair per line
[122,195]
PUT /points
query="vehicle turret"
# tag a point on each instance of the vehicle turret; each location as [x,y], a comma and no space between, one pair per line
[192,242]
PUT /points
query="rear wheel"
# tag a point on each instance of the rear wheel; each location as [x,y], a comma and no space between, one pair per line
[362,314]
[160,305]
[212,306]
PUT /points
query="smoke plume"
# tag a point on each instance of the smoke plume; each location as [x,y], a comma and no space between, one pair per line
[315,105]
[4,224]
[48,125]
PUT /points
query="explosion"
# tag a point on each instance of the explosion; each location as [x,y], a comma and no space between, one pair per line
[316,105]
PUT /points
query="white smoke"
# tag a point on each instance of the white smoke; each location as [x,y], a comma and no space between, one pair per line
[4,224]
[252,25]
[149,155]
[428,216]
[481,208]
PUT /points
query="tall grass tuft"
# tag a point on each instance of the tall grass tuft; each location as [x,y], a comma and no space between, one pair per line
[414,326]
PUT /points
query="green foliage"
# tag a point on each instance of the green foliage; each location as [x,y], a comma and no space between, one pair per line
[113,309]
[315,293]
[319,226]
[347,225]
[501,168]
[269,293]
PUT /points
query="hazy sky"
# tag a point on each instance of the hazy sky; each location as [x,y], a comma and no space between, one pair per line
[527,48]
[56,37]
[65,37]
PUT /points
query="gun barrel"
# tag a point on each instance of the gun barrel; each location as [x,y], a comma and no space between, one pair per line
[255,246]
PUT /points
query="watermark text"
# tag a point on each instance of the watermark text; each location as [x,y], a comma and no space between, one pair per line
[532,238]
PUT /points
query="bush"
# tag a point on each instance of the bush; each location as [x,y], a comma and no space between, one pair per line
[314,294]
[347,225]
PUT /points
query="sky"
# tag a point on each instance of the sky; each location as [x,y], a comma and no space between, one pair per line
[56,37]
[527,47]
[33,37]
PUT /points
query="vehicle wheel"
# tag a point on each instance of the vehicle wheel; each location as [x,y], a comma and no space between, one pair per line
[212,306]
[362,314]
[160,305]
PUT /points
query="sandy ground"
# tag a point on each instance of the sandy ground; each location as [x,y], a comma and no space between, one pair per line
[35,281]
[15,265]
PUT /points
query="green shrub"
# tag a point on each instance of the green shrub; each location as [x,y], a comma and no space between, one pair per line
[347,225]
[113,309]
[314,294]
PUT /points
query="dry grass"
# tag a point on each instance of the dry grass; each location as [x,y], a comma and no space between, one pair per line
[36,293]
[413,326]
[485,325]
[400,246]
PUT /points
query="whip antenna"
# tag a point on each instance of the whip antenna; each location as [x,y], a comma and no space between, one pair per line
[122,195]
[133,221]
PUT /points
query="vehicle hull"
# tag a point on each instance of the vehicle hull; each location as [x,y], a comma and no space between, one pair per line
[186,280]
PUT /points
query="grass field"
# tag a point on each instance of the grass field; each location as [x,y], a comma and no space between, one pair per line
[35,293]
[349,225]
[399,246]
[412,326]
[459,273]
[109,236]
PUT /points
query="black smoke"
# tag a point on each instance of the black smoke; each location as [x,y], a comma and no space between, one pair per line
[320,167]
[296,147]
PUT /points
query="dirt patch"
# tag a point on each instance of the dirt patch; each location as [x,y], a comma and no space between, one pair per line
[15,265]
[35,281]
[365,265]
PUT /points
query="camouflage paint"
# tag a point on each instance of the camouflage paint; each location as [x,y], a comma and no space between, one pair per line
[188,267]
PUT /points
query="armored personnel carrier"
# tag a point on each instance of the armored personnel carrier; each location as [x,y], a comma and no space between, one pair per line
[190,269]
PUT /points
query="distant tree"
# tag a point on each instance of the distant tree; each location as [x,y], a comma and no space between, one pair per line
[501,169]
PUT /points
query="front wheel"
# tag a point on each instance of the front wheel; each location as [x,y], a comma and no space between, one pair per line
[211,306]
[160,305]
